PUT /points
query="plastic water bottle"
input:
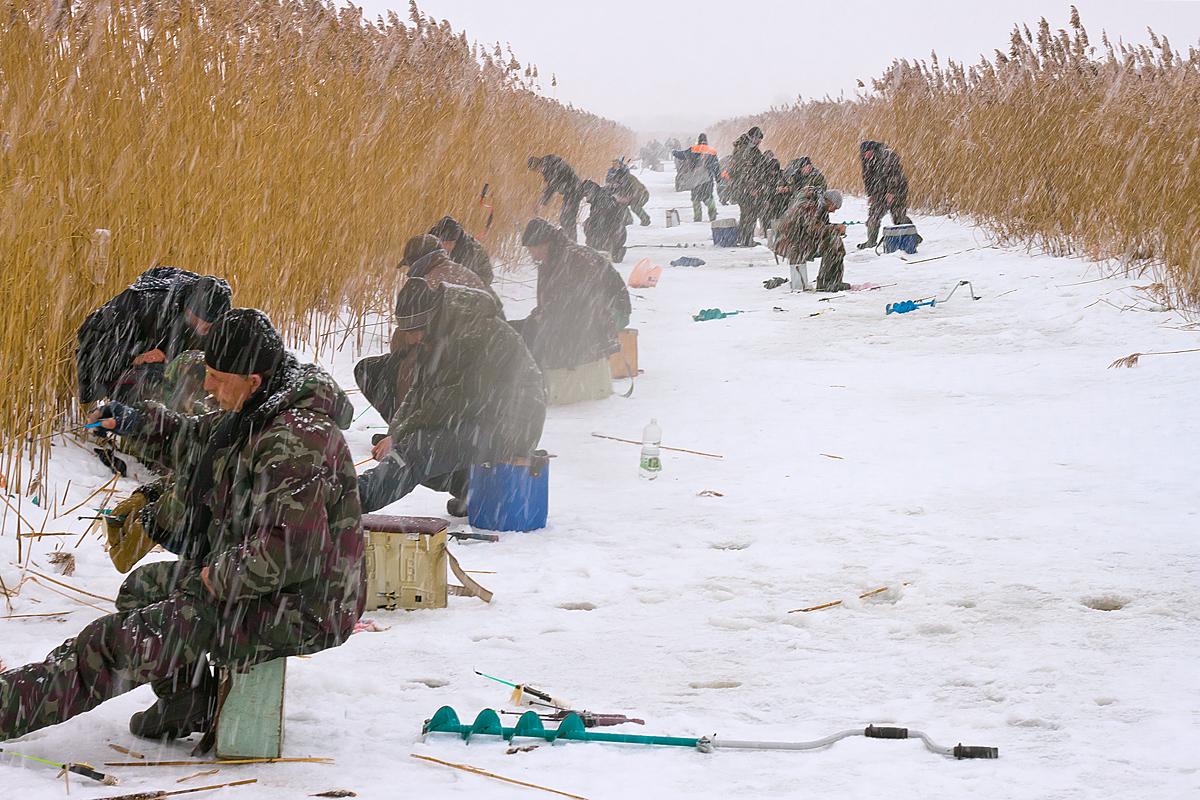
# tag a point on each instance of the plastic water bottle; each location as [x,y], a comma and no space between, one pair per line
[651,461]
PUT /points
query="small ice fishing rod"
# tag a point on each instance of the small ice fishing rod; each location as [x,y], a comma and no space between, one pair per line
[85,770]
[520,689]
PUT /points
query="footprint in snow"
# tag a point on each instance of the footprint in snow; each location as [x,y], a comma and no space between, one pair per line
[715,684]
[578,606]
[1106,602]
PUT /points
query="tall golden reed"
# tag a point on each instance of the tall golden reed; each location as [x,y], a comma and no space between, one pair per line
[289,146]
[1054,141]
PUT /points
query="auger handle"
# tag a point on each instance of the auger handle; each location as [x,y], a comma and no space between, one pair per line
[873,732]
[965,751]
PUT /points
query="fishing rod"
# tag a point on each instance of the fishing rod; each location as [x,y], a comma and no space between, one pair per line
[561,709]
[521,689]
[487,226]
[86,770]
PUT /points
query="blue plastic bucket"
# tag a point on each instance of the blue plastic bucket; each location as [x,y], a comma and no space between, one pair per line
[724,232]
[510,497]
[900,237]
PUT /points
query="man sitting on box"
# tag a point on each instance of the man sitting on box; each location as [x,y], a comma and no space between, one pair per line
[581,301]
[270,494]
[476,396]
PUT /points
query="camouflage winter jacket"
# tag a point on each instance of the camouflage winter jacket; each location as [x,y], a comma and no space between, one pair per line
[473,372]
[884,175]
[804,228]
[748,172]
[799,181]
[281,523]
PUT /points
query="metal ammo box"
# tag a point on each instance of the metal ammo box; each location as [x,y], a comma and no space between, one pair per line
[406,562]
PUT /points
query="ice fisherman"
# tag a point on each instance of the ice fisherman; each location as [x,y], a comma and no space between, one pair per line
[581,301]
[127,348]
[561,179]
[802,173]
[747,183]
[604,228]
[463,248]
[269,523]
[474,395]
[886,187]
[628,190]
[385,379]
[805,233]
[698,169]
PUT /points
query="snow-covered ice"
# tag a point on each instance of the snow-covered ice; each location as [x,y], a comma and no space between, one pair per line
[1034,513]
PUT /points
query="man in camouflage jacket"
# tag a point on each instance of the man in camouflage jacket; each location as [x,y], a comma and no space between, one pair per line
[886,186]
[476,395]
[265,516]
[805,233]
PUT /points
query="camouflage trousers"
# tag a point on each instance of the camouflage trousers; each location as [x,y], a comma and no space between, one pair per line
[832,252]
[165,625]
[877,208]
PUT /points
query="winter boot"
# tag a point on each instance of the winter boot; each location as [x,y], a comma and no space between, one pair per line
[190,710]
[866,245]
[456,506]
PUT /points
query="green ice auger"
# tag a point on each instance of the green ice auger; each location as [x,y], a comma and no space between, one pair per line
[572,729]
[530,726]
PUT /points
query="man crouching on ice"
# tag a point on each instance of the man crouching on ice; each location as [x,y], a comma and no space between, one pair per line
[265,502]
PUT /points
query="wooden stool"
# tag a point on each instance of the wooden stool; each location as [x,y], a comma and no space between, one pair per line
[250,720]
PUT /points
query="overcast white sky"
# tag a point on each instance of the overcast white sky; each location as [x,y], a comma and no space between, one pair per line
[666,66]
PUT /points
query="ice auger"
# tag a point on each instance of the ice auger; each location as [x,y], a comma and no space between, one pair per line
[530,726]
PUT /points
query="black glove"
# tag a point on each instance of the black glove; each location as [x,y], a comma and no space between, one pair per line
[127,418]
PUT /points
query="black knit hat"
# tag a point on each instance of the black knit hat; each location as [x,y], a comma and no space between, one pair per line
[418,247]
[538,231]
[755,132]
[447,229]
[869,145]
[702,139]
[416,304]
[243,342]
[208,298]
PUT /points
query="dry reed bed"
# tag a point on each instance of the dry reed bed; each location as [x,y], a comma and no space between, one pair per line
[288,146]
[1056,142]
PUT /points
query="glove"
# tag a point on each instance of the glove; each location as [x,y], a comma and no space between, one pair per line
[127,417]
[127,540]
